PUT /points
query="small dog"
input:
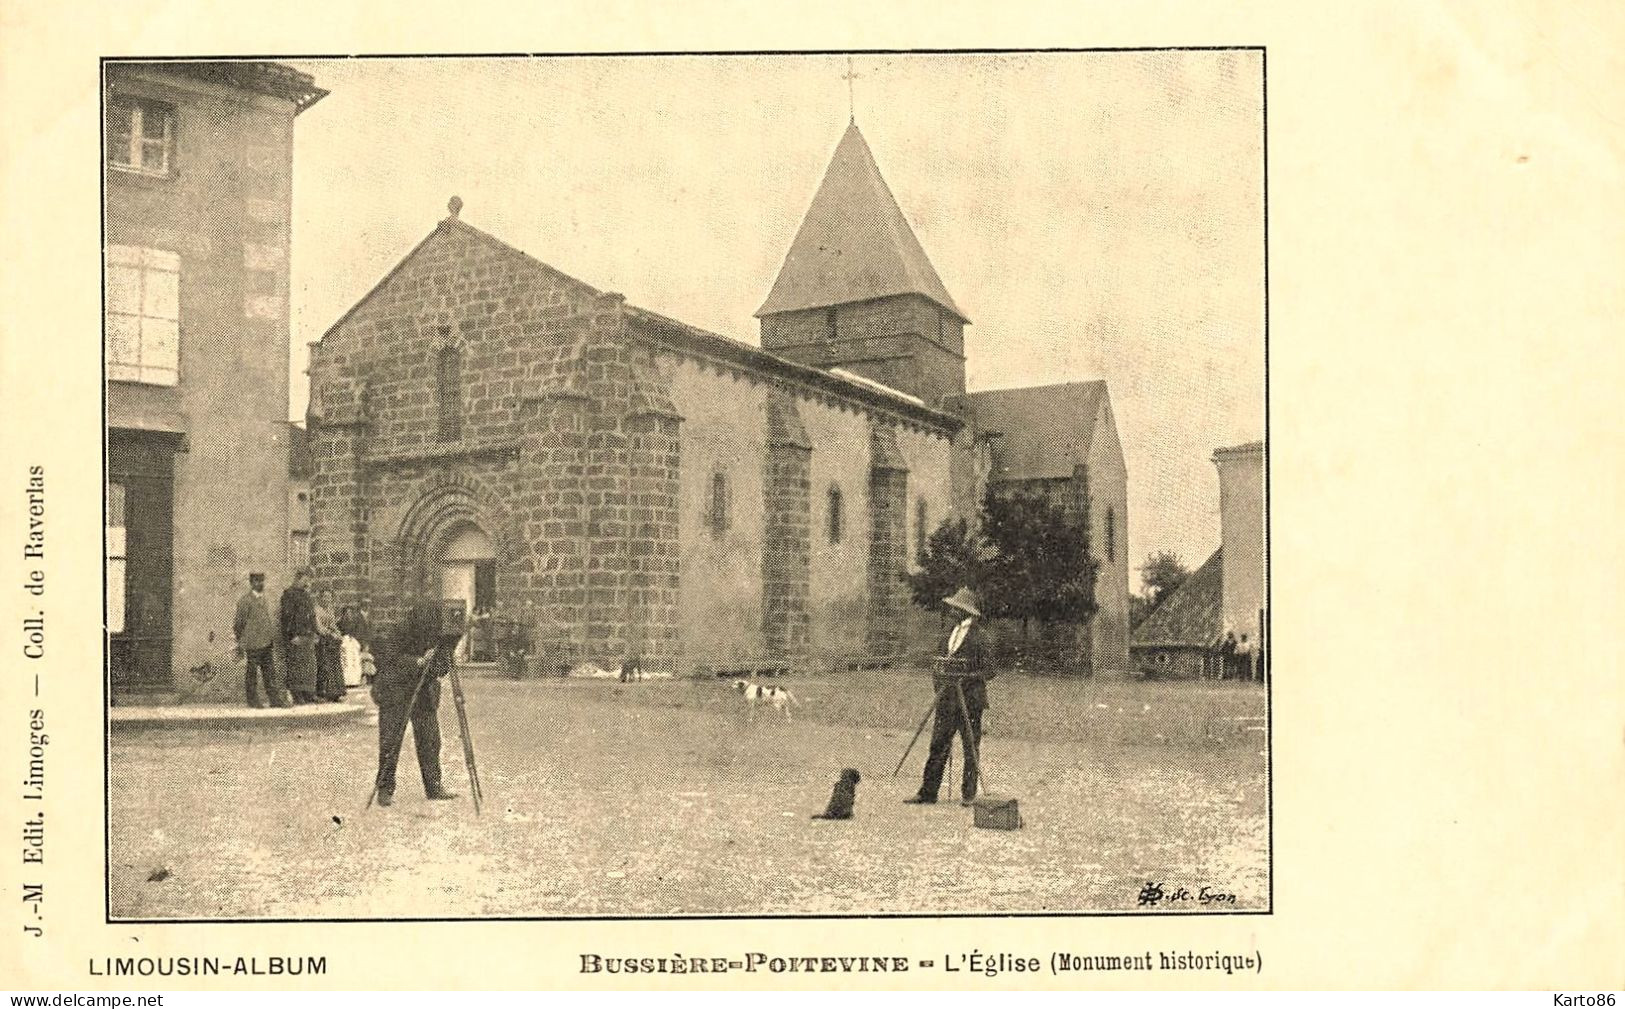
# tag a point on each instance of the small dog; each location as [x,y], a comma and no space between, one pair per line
[843,798]
[779,697]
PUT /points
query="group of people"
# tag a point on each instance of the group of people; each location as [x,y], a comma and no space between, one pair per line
[324,652]
[1238,659]
[327,652]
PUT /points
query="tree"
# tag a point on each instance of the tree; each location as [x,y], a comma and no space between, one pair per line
[952,558]
[1162,573]
[1040,566]
[1139,607]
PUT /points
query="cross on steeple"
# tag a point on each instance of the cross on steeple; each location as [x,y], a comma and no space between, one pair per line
[851,102]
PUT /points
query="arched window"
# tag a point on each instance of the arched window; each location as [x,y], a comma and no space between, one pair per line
[837,516]
[449,393]
[717,504]
[919,528]
[1111,536]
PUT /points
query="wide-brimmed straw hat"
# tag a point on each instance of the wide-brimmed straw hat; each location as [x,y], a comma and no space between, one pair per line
[965,600]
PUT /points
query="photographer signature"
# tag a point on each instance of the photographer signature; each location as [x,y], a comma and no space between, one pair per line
[1153,895]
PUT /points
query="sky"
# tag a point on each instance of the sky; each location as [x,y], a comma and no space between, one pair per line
[1097,215]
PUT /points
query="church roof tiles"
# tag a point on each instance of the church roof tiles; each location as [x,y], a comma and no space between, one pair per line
[854,243]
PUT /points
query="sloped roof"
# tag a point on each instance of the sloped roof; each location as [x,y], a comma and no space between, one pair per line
[1192,615]
[672,331]
[450,226]
[1251,448]
[274,79]
[854,243]
[1046,429]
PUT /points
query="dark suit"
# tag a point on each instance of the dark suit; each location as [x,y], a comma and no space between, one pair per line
[256,636]
[399,675]
[950,719]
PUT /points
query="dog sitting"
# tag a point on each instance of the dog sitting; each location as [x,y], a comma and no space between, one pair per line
[843,798]
[779,697]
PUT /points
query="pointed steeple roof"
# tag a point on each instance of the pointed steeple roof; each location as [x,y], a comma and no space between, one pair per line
[855,243]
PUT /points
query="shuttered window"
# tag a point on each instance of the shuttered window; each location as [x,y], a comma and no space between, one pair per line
[143,315]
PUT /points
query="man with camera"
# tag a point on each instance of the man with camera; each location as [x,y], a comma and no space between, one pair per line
[407,689]
[961,685]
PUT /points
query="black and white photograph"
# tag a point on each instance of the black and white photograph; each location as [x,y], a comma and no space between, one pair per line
[718,485]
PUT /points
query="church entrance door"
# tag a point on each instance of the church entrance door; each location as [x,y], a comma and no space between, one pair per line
[467,572]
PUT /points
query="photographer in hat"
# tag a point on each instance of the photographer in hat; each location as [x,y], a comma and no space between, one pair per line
[964,673]
[407,689]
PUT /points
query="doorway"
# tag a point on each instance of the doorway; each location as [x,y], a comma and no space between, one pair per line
[139,563]
[468,573]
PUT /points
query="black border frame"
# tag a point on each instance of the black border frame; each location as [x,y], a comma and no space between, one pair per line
[1265,633]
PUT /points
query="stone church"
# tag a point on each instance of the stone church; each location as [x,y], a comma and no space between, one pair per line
[617,482]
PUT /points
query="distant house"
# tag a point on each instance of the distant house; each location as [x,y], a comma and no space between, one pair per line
[1178,638]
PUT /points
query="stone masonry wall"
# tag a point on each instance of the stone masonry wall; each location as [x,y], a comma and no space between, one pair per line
[565,454]
[888,544]
[906,342]
[787,537]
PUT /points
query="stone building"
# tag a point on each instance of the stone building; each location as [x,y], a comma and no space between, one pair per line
[198,165]
[1241,530]
[487,428]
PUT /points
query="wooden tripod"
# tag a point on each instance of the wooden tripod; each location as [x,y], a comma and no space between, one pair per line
[467,737]
[972,746]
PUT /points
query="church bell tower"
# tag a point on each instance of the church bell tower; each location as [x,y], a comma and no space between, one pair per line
[856,290]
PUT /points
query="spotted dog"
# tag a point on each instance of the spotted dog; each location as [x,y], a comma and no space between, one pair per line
[779,697]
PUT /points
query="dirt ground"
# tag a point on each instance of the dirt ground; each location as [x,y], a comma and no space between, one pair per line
[668,798]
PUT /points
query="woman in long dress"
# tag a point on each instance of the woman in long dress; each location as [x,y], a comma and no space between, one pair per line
[297,616]
[329,671]
[349,649]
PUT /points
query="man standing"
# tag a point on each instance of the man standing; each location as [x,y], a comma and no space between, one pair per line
[964,674]
[1245,668]
[1227,656]
[297,613]
[407,689]
[256,636]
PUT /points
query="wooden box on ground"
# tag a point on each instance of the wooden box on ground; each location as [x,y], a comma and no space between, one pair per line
[996,813]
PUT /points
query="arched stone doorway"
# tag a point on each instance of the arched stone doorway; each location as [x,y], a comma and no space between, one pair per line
[456,541]
[466,559]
